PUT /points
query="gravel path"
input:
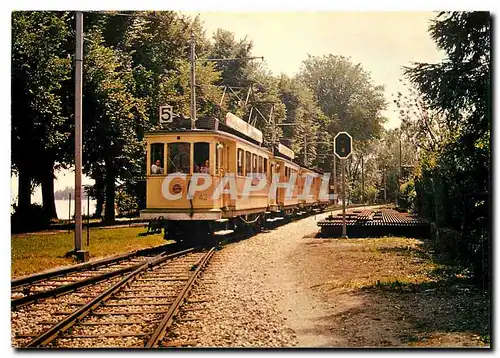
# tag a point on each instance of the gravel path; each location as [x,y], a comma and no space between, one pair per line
[248,296]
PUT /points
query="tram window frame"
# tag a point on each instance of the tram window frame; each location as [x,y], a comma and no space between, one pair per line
[240,162]
[200,156]
[254,164]
[217,158]
[248,162]
[173,163]
[157,154]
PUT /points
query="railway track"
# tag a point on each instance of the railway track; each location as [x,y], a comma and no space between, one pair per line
[69,307]
[30,289]
[135,311]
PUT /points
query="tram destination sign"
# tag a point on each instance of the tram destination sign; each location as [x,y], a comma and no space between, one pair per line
[343,145]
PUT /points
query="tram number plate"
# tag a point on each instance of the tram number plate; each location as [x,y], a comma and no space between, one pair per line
[166,114]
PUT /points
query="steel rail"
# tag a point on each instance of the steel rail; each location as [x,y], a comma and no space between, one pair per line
[168,319]
[52,333]
[84,266]
[22,301]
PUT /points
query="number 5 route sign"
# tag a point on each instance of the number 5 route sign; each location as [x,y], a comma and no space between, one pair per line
[166,114]
[343,145]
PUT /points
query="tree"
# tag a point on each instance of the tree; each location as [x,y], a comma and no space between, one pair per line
[458,177]
[458,88]
[346,95]
[40,69]
[349,100]
[303,111]
[113,117]
[235,74]
[134,65]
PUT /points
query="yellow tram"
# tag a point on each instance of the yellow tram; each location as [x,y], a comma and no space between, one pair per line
[220,173]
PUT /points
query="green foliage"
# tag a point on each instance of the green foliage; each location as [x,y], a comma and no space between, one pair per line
[303,111]
[41,69]
[407,195]
[371,193]
[346,95]
[114,116]
[126,203]
[454,176]
[135,63]
[38,219]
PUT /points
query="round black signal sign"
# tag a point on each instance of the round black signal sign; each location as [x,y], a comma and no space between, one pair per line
[343,145]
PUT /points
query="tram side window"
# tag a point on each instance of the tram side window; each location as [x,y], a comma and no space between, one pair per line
[240,161]
[254,164]
[157,165]
[248,163]
[265,167]
[261,164]
[178,157]
[202,157]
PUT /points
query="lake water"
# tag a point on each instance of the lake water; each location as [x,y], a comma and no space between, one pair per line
[62,208]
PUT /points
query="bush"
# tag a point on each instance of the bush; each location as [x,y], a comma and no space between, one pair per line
[126,204]
[32,219]
[371,194]
[407,195]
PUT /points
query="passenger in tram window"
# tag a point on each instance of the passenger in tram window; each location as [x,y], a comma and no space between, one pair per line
[156,168]
[201,157]
[205,168]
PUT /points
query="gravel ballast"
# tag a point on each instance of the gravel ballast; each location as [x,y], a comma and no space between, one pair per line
[251,298]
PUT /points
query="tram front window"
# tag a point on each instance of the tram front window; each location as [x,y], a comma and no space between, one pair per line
[178,158]
[202,157]
[157,166]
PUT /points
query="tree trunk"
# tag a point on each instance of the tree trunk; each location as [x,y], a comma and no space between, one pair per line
[99,204]
[109,212]
[99,195]
[48,199]
[24,191]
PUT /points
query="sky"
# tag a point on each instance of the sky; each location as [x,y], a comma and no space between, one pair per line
[381,42]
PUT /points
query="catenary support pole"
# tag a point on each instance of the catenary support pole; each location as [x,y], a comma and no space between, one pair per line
[78,130]
[69,214]
[362,181]
[192,60]
[305,150]
[88,220]
[385,188]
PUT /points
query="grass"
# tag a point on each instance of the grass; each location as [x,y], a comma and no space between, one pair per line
[400,283]
[385,261]
[33,253]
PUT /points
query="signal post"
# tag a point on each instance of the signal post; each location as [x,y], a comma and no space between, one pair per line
[343,150]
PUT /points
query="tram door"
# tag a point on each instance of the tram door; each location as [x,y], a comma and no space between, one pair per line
[274,198]
[225,171]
